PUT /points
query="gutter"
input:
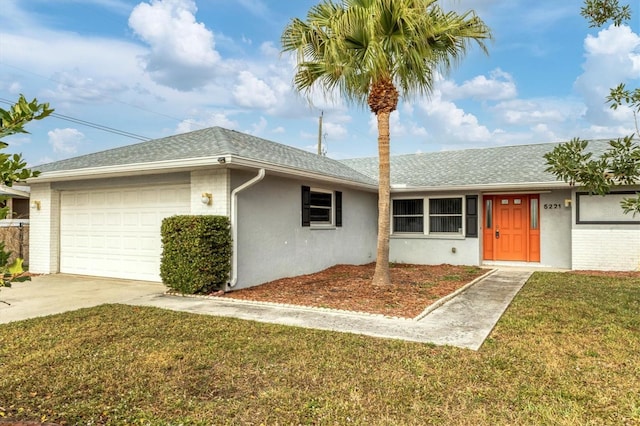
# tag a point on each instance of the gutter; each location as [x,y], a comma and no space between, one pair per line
[525,187]
[234,226]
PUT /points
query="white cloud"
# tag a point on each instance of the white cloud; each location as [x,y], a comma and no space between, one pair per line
[498,86]
[612,57]
[65,141]
[268,49]
[526,112]
[73,87]
[15,88]
[334,131]
[447,121]
[183,52]
[252,92]
[220,119]
[258,128]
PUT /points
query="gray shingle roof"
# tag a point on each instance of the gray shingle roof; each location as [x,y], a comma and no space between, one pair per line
[520,164]
[212,142]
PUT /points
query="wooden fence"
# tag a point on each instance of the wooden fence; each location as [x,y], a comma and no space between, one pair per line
[15,235]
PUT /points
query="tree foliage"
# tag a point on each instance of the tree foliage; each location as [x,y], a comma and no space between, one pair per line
[373,52]
[13,168]
[620,164]
[599,12]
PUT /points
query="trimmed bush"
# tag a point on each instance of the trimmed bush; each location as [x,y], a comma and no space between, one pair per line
[196,253]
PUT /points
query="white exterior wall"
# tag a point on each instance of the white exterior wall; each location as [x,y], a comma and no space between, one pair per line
[555,229]
[44,227]
[435,250]
[606,247]
[214,182]
[555,237]
[272,243]
[424,249]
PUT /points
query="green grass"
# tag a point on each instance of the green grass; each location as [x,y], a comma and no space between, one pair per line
[567,352]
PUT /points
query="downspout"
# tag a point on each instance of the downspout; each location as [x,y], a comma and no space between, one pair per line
[234,226]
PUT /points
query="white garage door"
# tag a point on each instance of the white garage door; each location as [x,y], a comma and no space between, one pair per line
[116,232]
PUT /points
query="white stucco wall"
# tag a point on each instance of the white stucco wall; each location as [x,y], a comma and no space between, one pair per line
[434,250]
[555,229]
[272,243]
[555,237]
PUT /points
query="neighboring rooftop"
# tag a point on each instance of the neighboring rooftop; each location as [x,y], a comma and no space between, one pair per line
[483,166]
[212,142]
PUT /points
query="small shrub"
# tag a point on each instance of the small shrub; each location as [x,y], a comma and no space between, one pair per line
[196,253]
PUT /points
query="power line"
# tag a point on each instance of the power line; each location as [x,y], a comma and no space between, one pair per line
[22,70]
[91,124]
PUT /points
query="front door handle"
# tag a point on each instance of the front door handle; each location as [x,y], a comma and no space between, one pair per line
[497,233]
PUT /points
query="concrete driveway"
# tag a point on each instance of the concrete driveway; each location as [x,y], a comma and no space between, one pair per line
[57,293]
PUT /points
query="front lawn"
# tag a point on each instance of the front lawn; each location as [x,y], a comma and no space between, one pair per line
[567,352]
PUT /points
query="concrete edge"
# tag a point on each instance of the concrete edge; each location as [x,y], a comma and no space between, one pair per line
[427,310]
[303,308]
[435,305]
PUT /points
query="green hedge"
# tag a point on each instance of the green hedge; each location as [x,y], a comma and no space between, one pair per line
[196,253]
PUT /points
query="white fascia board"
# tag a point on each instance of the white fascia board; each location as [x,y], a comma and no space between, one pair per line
[298,173]
[532,186]
[124,170]
[12,191]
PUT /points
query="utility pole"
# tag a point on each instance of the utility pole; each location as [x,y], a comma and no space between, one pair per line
[320,133]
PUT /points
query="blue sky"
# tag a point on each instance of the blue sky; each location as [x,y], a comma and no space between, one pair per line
[159,67]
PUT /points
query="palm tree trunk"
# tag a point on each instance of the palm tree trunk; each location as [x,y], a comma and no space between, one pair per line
[382,276]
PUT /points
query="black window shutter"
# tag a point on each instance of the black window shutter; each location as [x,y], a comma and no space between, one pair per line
[338,201]
[472,216]
[306,206]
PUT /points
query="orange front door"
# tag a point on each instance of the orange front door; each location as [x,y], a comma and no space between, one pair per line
[511,228]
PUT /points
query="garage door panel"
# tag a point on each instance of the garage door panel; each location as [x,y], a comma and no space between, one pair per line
[116,232]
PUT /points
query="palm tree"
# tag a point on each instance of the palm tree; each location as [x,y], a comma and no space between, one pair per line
[372,52]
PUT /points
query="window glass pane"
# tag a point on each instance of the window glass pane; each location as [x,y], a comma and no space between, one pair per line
[445,224]
[534,213]
[408,224]
[408,215]
[321,208]
[489,214]
[320,199]
[445,206]
[445,215]
[408,207]
[319,214]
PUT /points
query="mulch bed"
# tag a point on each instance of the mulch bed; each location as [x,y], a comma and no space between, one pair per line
[348,287]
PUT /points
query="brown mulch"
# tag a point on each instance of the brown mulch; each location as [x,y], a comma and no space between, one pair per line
[348,287]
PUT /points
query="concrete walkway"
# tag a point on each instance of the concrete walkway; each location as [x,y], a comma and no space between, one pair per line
[464,321]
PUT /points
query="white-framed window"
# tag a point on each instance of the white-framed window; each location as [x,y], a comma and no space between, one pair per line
[408,216]
[321,204]
[321,207]
[446,215]
[430,215]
